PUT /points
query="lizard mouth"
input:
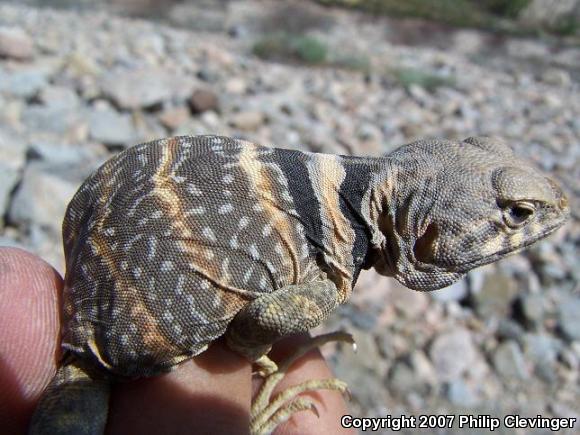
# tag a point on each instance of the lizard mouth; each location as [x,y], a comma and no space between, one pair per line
[468,265]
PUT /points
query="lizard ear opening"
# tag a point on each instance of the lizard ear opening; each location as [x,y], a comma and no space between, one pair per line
[424,248]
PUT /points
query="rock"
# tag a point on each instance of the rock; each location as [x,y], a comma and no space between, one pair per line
[569,318]
[408,302]
[63,122]
[203,100]
[211,120]
[452,353]
[508,329]
[22,83]
[557,77]
[200,19]
[496,296]
[15,43]
[359,317]
[59,97]
[455,292]
[346,366]
[91,154]
[150,46]
[532,309]
[412,374]
[402,379]
[542,350]
[110,127]
[460,394]
[561,410]
[13,152]
[148,128]
[11,113]
[540,13]
[247,120]
[423,368]
[468,42]
[236,85]
[366,345]
[42,197]
[509,362]
[392,346]
[144,87]
[174,117]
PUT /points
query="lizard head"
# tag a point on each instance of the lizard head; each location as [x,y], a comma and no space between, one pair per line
[453,206]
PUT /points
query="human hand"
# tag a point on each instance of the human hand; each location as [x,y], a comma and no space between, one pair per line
[210,393]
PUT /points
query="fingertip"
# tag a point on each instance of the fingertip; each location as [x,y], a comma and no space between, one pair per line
[207,394]
[331,405]
[29,320]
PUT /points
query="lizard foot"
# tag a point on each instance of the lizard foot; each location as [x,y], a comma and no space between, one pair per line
[267,411]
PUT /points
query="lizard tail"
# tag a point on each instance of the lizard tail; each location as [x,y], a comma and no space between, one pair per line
[73,403]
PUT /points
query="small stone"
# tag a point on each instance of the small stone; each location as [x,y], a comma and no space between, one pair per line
[532,308]
[460,394]
[42,197]
[346,366]
[236,86]
[65,122]
[455,292]
[569,318]
[402,378]
[203,100]
[423,367]
[13,152]
[509,329]
[59,97]
[211,119]
[23,83]
[468,42]
[110,127]
[72,154]
[174,117]
[452,353]
[144,88]
[391,346]
[561,410]
[359,317]
[369,132]
[542,350]
[15,43]
[496,296]
[249,120]
[148,127]
[557,77]
[509,362]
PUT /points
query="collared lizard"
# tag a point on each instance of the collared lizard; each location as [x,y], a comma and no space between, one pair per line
[177,242]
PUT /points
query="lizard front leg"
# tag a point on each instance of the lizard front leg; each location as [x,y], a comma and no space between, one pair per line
[290,310]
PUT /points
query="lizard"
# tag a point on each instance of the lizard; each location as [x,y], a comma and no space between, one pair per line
[174,243]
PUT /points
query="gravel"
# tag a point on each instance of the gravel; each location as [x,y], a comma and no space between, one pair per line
[76,87]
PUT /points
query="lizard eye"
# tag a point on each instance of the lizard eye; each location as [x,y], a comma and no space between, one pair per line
[518,213]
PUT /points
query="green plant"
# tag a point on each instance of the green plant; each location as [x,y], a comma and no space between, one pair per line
[505,8]
[427,80]
[355,62]
[567,26]
[289,47]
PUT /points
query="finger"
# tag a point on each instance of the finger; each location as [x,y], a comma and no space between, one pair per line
[208,394]
[331,405]
[29,328]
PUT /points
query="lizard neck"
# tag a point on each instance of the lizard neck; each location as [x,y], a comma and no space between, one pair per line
[361,201]
[380,214]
